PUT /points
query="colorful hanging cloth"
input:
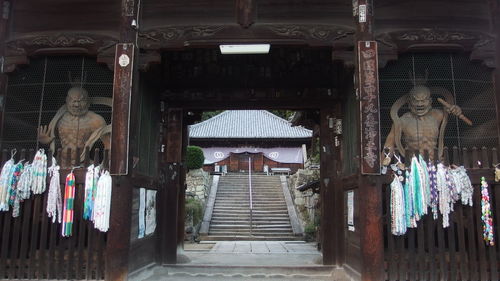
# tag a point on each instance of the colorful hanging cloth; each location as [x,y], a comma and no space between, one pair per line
[102,205]
[14,200]
[68,206]
[39,168]
[25,181]
[5,180]
[90,185]
[409,207]
[426,183]
[486,214]
[54,200]
[398,216]
[416,185]
[434,195]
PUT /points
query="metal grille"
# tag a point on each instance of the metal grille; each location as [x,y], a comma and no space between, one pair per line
[469,82]
[35,93]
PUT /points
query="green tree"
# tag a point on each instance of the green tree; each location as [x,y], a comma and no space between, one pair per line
[194,157]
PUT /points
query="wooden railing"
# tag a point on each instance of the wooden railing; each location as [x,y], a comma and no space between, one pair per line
[31,246]
[431,252]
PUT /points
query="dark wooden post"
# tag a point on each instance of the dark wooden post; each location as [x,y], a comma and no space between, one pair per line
[496,74]
[5,8]
[370,193]
[125,101]
[169,193]
[331,192]
[182,190]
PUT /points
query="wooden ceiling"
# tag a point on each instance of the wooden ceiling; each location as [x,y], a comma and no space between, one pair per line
[400,25]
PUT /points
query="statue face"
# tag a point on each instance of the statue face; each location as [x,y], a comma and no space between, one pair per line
[77,102]
[420,100]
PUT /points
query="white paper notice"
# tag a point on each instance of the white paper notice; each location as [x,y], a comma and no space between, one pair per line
[142,206]
[150,211]
[350,210]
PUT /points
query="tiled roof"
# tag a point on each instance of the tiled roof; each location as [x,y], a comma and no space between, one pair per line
[247,124]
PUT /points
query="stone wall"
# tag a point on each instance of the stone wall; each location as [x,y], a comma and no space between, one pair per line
[198,184]
[305,202]
[198,187]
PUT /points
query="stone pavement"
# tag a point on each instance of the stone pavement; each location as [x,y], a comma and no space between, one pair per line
[245,260]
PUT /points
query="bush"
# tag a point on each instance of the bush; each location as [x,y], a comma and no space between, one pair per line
[194,157]
[194,210]
[310,231]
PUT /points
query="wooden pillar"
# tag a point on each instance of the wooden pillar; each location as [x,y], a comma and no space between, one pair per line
[331,191]
[3,77]
[182,190]
[169,191]
[125,101]
[496,74]
[370,193]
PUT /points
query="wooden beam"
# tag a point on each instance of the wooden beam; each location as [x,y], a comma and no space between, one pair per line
[169,191]
[245,12]
[370,199]
[182,189]
[125,103]
[495,5]
[332,210]
[5,5]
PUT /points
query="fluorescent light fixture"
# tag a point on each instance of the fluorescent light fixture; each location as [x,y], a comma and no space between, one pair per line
[245,49]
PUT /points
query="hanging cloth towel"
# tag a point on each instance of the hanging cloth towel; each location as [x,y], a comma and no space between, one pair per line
[5,180]
[398,216]
[25,181]
[89,187]
[68,206]
[14,200]
[54,200]
[102,205]
[486,217]
[39,168]
[434,196]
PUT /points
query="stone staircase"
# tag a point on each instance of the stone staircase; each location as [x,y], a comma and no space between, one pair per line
[231,214]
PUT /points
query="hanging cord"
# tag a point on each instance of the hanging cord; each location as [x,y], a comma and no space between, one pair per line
[5,180]
[455,98]
[40,109]
[414,85]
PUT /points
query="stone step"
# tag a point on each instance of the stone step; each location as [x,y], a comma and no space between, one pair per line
[225,237]
[247,221]
[232,232]
[240,272]
[272,227]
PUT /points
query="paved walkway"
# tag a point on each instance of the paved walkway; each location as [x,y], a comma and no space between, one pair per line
[244,260]
[255,253]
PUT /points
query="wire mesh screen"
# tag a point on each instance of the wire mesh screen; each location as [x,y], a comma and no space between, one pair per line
[37,91]
[470,83]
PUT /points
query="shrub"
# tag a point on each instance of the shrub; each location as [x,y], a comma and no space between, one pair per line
[194,210]
[194,157]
